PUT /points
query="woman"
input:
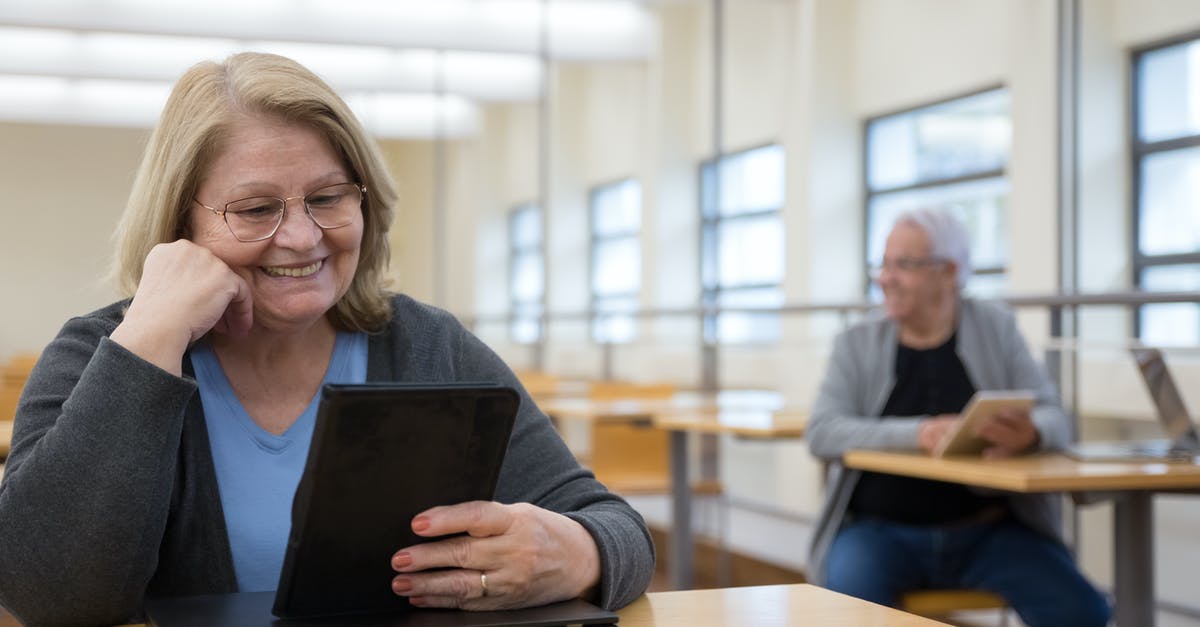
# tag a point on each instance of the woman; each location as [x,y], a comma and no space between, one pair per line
[159,440]
[900,381]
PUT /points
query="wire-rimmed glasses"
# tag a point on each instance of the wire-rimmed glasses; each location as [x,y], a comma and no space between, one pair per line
[258,218]
[905,264]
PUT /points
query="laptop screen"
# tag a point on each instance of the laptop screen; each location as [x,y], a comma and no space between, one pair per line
[1172,413]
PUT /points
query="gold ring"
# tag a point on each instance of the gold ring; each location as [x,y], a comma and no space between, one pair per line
[483,582]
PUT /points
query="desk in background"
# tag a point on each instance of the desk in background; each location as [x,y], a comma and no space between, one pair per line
[1131,484]
[764,424]
[743,413]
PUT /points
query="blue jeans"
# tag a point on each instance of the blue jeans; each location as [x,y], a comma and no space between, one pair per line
[879,561]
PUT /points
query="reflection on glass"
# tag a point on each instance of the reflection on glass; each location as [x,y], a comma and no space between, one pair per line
[1169,92]
[943,141]
[1169,217]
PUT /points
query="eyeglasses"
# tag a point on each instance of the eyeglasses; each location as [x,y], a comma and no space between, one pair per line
[905,264]
[258,218]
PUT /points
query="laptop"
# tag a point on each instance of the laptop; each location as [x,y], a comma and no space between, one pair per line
[1182,443]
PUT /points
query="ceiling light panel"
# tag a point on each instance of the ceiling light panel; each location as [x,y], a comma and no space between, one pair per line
[413,67]
[578,29]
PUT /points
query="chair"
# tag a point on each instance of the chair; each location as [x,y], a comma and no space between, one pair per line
[538,383]
[12,381]
[630,457]
[941,603]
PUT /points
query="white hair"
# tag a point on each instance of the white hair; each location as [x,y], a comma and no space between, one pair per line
[948,237]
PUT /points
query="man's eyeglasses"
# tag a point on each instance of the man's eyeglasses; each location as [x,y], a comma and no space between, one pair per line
[905,264]
[258,218]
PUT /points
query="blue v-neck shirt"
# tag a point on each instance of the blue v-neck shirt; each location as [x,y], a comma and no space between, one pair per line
[257,471]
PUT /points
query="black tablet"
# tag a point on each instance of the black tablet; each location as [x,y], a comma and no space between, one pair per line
[380,455]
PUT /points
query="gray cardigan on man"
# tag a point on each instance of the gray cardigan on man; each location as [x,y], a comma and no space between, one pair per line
[110,494]
[860,378]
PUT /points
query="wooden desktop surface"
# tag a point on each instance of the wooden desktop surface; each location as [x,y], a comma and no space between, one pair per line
[635,409]
[1046,472]
[757,606]
[743,423]
[6,428]
[762,606]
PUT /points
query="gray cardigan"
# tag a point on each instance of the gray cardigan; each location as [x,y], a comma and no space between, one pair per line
[110,495]
[859,379]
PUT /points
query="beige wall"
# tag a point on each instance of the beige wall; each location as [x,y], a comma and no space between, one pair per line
[64,188]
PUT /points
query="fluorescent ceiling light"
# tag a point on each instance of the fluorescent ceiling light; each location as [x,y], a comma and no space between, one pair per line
[112,61]
[126,104]
[578,29]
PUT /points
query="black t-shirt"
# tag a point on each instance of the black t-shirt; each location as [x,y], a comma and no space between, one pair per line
[928,382]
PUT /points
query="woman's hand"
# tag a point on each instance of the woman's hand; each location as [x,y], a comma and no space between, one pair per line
[184,292]
[530,556]
[1010,432]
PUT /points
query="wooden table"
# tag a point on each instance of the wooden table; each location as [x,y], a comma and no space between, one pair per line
[762,606]
[646,409]
[759,606]
[1132,486]
[747,413]
[768,424]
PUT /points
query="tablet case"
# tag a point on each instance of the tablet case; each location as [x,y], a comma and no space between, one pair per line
[963,441]
[380,455]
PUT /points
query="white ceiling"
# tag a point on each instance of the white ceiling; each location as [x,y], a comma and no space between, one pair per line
[112,62]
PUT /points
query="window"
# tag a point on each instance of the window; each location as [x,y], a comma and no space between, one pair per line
[616,271]
[951,155]
[527,273]
[741,246]
[1166,154]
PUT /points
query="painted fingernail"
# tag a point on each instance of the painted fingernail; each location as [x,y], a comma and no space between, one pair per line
[401,560]
[420,523]
[401,585]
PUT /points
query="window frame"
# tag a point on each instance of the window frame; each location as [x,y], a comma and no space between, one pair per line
[515,251]
[1139,151]
[594,240]
[710,296]
[1000,174]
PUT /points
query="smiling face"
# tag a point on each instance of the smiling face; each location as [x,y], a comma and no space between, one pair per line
[296,276]
[914,285]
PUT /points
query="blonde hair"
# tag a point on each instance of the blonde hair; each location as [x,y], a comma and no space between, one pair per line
[195,122]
